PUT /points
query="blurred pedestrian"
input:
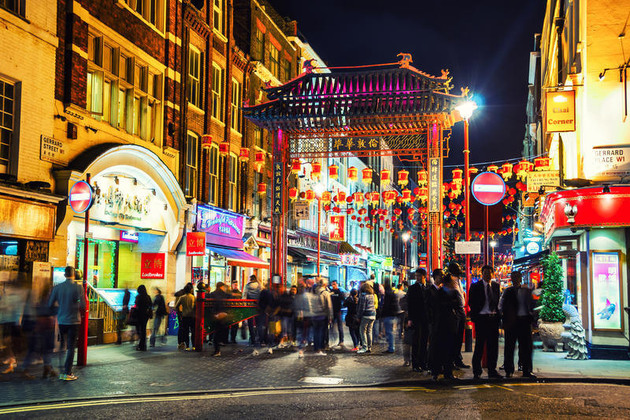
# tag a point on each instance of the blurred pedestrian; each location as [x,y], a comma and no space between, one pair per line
[400,292]
[219,315]
[160,312]
[266,310]
[122,315]
[483,301]
[516,306]
[235,294]
[448,305]
[252,291]
[366,311]
[144,312]
[303,311]
[42,340]
[456,274]
[418,323]
[11,312]
[391,313]
[285,306]
[185,305]
[432,308]
[352,319]
[337,298]
[322,315]
[67,299]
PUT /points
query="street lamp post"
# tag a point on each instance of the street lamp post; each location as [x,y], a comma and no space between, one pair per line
[405,238]
[493,244]
[466,109]
[319,189]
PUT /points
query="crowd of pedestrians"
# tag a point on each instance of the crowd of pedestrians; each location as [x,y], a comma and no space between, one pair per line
[428,317]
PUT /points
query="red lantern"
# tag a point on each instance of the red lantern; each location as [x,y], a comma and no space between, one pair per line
[333,171]
[506,170]
[389,197]
[493,168]
[350,199]
[309,195]
[366,175]
[397,212]
[316,170]
[206,141]
[472,171]
[293,193]
[457,175]
[358,197]
[352,174]
[326,197]
[385,176]
[244,154]
[259,160]
[224,148]
[523,168]
[542,163]
[422,177]
[296,166]
[423,194]
[406,195]
[403,177]
[374,197]
[262,188]
[336,209]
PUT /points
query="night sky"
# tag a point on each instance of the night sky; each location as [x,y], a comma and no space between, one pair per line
[485,45]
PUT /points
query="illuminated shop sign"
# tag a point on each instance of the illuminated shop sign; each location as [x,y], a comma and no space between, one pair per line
[129,236]
[215,221]
[560,111]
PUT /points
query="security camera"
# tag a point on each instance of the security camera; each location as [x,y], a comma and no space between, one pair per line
[574,229]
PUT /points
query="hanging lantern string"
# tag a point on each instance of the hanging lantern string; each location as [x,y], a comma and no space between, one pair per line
[516,159]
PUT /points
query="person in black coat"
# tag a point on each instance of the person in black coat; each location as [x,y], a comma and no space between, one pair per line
[417,322]
[160,312]
[144,312]
[432,308]
[219,315]
[516,307]
[390,314]
[449,303]
[483,301]
[352,319]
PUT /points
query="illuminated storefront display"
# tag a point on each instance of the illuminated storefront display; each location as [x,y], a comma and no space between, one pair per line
[607,311]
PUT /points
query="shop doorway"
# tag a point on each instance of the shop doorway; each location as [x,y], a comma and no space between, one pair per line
[103,261]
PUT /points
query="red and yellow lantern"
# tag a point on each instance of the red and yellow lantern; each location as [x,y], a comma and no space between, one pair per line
[244,154]
[333,171]
[358,197]
[316,170]
[403,177]
[457,175]
[423,194]
[326,197]
[472,171]
[293,193]
[375,197]
[206,141]
[340,197]
[523,168]
[493,168]
[542,164]
[259,160]
[366,175]
[406,195]
[506,170]
[353,174]
[389,197]
[423,176]
[296,166]
[309,195]
[224,148]
[262,188]
[385,176]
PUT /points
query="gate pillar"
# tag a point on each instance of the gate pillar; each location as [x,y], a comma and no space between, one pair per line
[434,239]
[279,207]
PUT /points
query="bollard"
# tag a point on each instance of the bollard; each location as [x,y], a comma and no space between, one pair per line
[199,313]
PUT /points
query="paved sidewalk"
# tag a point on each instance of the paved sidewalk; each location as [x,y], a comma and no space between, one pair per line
[120,370]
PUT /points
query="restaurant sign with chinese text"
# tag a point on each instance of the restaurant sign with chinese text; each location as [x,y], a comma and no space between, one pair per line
[337,230]
[351,144]
[435,196]
[277,192]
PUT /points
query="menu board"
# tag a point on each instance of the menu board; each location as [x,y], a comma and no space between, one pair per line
[607,310]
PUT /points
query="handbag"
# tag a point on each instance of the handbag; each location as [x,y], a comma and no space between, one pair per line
[275,327]
[132,318]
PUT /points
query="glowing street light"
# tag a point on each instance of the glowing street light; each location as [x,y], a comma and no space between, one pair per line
[493,244]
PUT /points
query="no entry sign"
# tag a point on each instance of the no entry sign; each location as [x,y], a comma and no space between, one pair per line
[80,196]
[488,188]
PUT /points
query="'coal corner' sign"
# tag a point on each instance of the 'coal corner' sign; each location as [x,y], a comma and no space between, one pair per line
[560,111]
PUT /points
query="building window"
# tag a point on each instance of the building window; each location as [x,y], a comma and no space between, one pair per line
[232,180]
[7,123]
[217,13]
[151,11]
[236,105]
[121,90]
[258,137]
[195,60]
[213,172]
[258,44]
[286,69]
[274,60]
[15,6]
[192,165]
[217,92]
[256,197]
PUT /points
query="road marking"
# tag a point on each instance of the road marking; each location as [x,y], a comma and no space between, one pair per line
[234,394]
[321,380]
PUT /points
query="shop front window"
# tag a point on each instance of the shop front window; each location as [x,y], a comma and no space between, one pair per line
[102,266]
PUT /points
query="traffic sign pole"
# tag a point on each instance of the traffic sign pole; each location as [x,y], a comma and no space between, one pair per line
[83,332]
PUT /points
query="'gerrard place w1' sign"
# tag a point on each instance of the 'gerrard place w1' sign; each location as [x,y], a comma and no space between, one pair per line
[488,188]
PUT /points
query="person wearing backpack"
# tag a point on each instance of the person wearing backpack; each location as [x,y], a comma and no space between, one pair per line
[160,312]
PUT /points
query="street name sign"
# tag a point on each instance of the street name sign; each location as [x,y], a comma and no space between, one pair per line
[488,188]
[468,247]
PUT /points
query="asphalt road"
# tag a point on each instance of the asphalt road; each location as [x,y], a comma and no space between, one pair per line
[487,401]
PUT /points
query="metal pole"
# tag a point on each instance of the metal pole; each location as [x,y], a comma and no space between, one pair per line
[319,228]
[485,235]
[467,200]
[83,331]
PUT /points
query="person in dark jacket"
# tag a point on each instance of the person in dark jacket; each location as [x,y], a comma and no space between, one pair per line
[448,303]
[352,319]
[285,312]
[219,316]
[456,274]
[236,294]
[366,311]
[144,312]
[417,322]
[483,301]
[122,315]
[160,312]
[516,307]
[337,297]
[432,307]
[391,312]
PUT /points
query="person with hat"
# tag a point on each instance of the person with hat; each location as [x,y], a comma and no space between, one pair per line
[483,301]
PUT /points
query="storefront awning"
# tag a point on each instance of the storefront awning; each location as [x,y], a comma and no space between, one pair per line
[238,258]
[530,261]
[356,274]
[311,256]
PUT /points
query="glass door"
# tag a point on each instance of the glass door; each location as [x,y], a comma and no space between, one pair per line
[102,264]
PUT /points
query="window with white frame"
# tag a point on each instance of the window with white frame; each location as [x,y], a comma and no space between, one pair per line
[7,122]
[235,107]
[217,91]
[195,66]
[274,60]
[151,11]
[123,91]
[213,173]
[232,181]
[217,16]
[192,165]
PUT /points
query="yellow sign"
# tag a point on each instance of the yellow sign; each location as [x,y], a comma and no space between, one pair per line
[545,179]
[560,111]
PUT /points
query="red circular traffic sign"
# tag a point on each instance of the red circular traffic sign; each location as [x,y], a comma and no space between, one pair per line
[488,188]
[80,196]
